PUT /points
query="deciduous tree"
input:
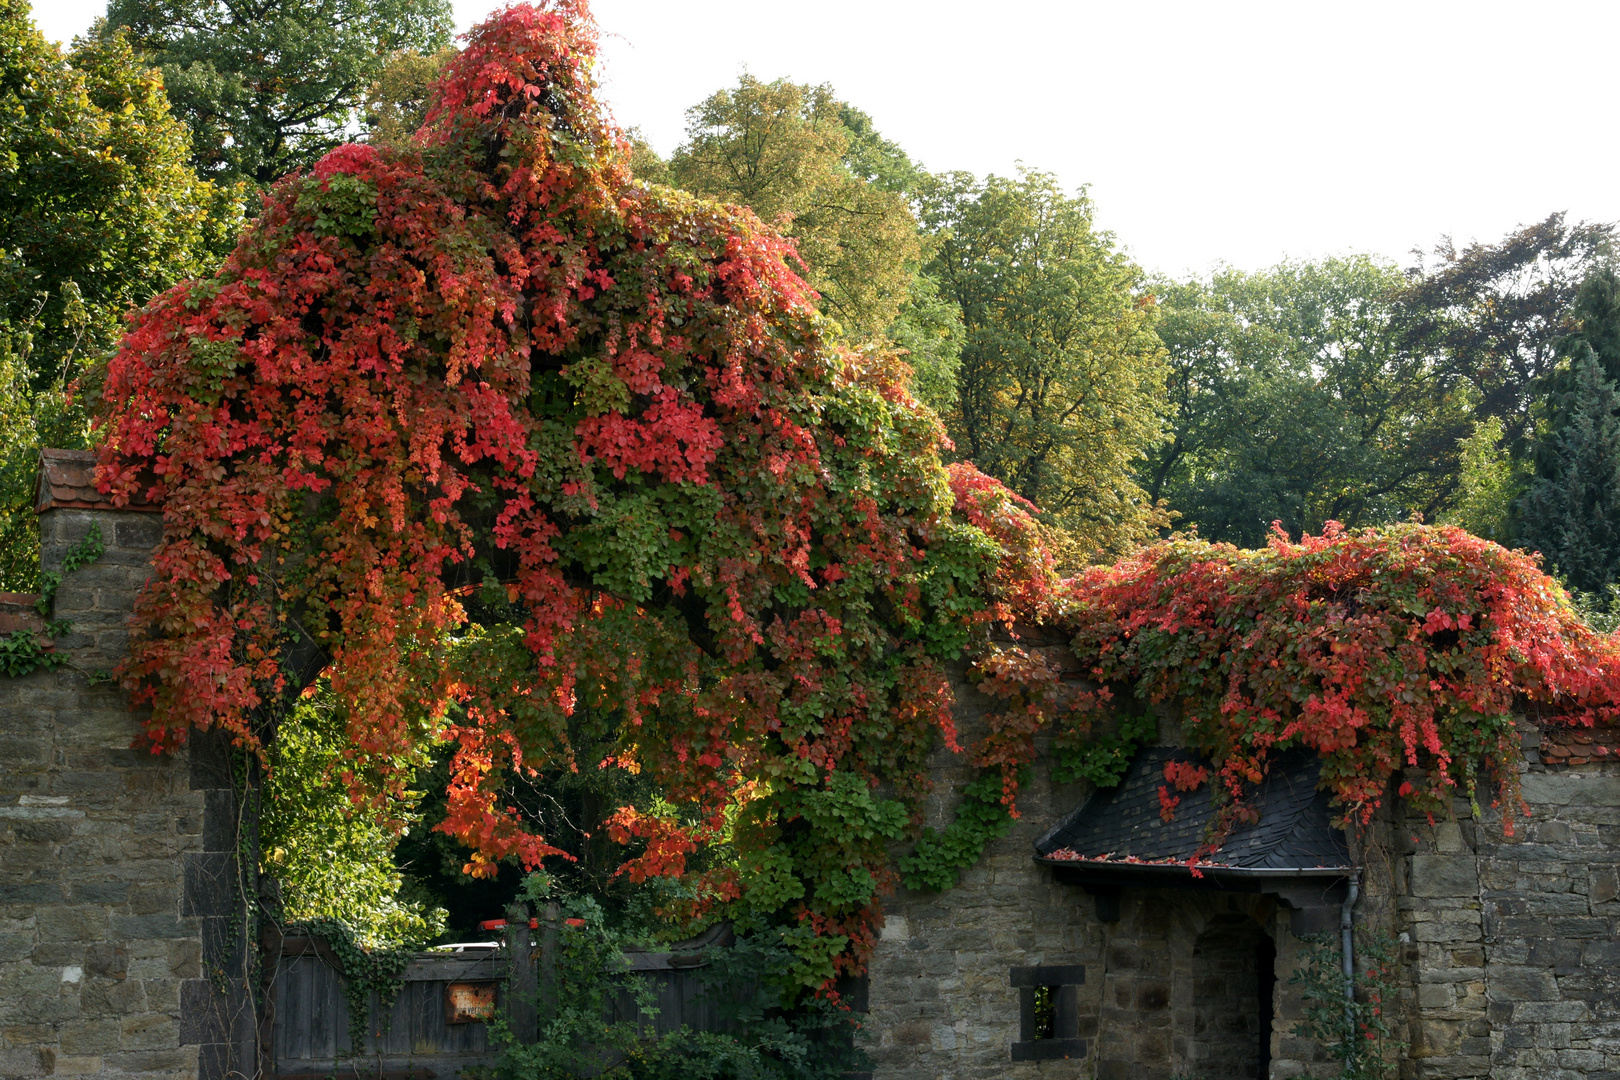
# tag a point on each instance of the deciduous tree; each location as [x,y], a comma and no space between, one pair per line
[786,152]
[98,211]
[1296,401]
[268,87]
[1493,314]
[1061,386]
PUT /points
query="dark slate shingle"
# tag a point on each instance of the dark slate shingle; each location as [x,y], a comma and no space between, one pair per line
[1294,831]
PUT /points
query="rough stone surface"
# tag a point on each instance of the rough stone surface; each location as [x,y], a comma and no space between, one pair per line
[1514,941]
[1171,987]
[120,942]
[99,939]
[1507,950]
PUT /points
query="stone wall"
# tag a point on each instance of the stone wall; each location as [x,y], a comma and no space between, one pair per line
[107,884]
[942,999]
[1509,949]
[122,949]
[1515,941]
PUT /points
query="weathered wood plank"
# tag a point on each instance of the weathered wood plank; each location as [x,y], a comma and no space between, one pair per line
[310,1029]
[453,967]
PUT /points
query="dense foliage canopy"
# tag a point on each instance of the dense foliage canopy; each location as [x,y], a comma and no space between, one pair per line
[1295,400]
[496,435]
[1399,653]
[484,457]
[819,169]
[271,86]
[783,150]
[1494,314]
[1060,390]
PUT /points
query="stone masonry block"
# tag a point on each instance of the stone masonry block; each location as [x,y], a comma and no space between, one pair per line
[1571,788]
[76,922]
[1522,984]
[1444,876]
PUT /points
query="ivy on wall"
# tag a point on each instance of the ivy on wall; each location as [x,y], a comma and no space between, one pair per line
[504,434]
[22,651]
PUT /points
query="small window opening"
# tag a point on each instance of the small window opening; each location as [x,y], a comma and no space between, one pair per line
[1045,1013]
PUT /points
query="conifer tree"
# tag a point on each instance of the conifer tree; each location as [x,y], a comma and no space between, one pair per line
[1571,513]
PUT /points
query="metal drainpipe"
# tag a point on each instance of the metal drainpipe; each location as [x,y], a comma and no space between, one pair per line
[1347,940]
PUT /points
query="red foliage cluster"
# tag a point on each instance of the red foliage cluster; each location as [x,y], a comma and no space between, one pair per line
[1403,651]
[508,438]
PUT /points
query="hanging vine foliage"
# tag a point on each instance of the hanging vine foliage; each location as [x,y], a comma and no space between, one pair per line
[502,434]
[1404,650]
[491,433]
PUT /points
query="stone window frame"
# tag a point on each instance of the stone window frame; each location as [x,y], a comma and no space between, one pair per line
[1065,981]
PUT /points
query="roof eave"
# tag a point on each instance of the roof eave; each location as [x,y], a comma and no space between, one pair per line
[1127,873]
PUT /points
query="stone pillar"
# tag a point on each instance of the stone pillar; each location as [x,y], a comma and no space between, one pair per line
[111,858]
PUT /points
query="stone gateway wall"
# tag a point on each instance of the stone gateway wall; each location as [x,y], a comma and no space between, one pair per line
[114,941]
[1171,979]
[123,914]
[1508,950]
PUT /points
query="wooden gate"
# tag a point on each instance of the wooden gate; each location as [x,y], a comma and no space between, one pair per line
[308,1017]
[425,1037]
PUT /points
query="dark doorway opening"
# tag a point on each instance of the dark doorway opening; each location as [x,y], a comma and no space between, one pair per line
[1265,969]
[1232,967]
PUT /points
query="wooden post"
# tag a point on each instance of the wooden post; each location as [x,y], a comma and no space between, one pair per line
[549,925]
[520,988]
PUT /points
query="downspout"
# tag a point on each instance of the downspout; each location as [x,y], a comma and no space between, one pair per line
[1347,941]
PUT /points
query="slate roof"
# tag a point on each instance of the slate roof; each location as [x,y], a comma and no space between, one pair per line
[1293,836]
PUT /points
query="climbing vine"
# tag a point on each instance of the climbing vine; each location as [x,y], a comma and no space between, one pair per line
[365,972]
[1397,652]
[1351,1019]
[494,434]
[939,857]
[22,651]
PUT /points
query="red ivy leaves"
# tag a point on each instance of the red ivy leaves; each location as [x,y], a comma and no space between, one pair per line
[512,438]
[1406,648]
[1184,775]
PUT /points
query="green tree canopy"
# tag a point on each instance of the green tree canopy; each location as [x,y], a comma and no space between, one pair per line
[818,166]
[1061,383]
[268,87]
[1294,400]
[1493,314]
[781,148]
[1571,514]
[99,211]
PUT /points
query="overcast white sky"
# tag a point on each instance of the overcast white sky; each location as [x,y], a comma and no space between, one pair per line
[1208,131]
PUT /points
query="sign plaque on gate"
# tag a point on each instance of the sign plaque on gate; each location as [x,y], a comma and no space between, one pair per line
[469,1002]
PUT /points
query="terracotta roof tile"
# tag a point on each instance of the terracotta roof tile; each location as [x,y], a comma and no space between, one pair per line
[67,479]
[1580,746]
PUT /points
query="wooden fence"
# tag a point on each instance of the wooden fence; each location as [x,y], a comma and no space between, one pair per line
[305,1035]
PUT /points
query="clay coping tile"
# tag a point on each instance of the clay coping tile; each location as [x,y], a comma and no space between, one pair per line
[1580,746]
[67,480]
